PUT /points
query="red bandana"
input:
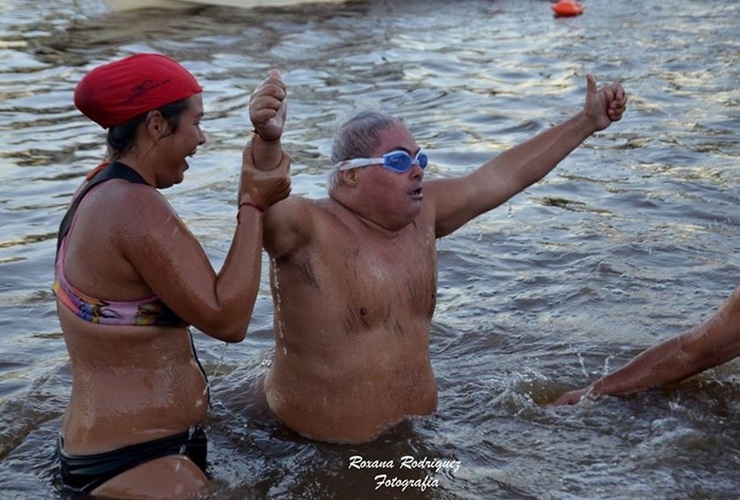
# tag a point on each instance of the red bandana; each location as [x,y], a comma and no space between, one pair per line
[116,92]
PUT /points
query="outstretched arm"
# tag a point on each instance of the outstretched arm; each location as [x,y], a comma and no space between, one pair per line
[459,200]
[267,111]
[715,341]
[289,222]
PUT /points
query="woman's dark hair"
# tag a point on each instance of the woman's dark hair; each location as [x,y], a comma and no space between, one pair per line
[121,137]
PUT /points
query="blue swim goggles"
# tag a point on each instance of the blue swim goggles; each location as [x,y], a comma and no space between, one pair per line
[397,161]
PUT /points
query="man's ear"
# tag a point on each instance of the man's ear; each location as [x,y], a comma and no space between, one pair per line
[350,177]
[156,125]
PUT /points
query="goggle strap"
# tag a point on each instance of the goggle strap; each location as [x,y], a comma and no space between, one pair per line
[358,162]
[385,160]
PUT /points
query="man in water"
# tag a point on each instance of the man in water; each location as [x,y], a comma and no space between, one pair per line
[354,275]
[713,342]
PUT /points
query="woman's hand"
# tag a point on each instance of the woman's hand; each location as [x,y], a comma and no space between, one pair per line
[263,187]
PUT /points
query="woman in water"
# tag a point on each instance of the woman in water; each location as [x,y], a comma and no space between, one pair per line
[130,278]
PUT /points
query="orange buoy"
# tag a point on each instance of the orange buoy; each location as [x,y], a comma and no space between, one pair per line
[567,8]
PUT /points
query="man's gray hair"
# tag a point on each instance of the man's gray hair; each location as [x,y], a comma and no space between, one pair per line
[357,137]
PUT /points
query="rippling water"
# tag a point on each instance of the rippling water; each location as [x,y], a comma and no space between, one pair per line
[634,238]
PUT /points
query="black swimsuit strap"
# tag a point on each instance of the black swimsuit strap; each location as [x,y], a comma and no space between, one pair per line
[115,170]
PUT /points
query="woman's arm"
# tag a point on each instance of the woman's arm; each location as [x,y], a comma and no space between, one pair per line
[172,262]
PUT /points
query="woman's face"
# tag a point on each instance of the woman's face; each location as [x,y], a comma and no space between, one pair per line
[182,143]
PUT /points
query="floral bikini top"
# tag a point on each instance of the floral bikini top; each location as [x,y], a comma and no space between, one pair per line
[148,311]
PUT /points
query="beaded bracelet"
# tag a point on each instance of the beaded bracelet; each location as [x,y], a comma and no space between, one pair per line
[247,204]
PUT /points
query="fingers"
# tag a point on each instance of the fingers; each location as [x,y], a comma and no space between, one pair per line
[264,187]
[284,192]
[617,99]
[284,165]
[619,93]
[263,115]
[269,95]
[247,157]
[274,73]
[267,100]
[615,113]
[569,398]
[279,182]
[611,99]
[273,86]
[590,84]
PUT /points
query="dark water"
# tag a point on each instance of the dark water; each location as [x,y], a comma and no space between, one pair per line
[634,238]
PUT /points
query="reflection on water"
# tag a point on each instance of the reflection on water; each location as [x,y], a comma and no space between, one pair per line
[634,238]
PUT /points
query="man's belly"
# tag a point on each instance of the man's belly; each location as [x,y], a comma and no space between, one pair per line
[348,405]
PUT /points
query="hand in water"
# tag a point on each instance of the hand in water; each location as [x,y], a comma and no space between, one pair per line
[268,107]
[570,398]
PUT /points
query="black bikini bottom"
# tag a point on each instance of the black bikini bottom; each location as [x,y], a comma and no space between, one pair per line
[84,473]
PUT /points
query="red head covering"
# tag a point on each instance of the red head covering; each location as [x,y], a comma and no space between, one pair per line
[115,92]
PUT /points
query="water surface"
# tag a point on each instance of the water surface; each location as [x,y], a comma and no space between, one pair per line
[632,239]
